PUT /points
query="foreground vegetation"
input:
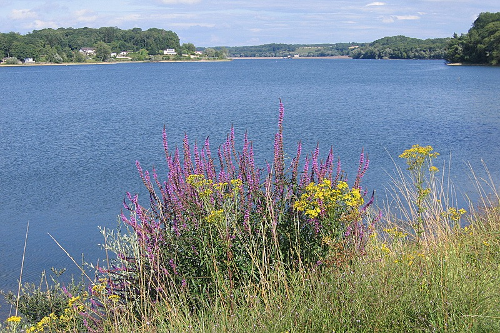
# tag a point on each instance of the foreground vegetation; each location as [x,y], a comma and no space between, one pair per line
[291,247]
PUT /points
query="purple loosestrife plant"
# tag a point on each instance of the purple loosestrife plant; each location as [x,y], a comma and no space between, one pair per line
[212,226]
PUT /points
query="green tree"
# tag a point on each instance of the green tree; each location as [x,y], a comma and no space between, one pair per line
[188,48]
[102,51]
[140,56]
[481,44]
[78,57]
[6,42]
[210,52]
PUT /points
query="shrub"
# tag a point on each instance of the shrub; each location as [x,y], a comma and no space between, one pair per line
[46,300]
[12,61]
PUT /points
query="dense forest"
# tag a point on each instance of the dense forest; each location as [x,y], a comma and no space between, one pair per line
[64,44]
[481,45]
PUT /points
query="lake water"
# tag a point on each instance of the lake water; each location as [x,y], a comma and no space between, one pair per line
[70,135]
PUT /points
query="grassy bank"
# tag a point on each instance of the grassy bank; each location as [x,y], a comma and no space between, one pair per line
[452,285]
[230,247]
[449,286]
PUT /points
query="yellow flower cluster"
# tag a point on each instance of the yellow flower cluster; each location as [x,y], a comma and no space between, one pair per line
[454,214]
[203,186]
[416,156]
[323,197]
[236,183]
[215,216]
[14,319]
[73,300]
[58,323]
[327,241]
[417,151]
[433,169]
[409,258]
[385,249]
[468,230]
[44,322]
[99,288]
[395,233]
[220,187]
[206,187]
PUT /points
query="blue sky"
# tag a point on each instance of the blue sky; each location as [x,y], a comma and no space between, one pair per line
[254,22]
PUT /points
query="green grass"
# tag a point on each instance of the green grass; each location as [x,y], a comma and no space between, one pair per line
[451,286]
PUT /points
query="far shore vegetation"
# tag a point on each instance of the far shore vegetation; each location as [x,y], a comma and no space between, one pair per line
[107,44]
[223,245]
[481,45]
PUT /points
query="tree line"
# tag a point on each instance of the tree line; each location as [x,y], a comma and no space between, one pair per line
[397,47]
[402,47]
[481,45]
[286,50]
[64,44]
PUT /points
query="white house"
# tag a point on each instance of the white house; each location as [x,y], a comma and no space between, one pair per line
[88,51]
[169,52]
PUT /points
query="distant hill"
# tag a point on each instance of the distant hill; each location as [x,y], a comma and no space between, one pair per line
[397,47]
[285,50]
[402,47]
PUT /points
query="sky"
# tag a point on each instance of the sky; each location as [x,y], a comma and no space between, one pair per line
[253,22]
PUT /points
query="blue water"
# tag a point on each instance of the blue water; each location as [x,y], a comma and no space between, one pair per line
[70,135]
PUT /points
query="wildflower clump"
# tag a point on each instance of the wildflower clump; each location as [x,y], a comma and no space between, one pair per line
[419,159]
[329,204]
[213,227]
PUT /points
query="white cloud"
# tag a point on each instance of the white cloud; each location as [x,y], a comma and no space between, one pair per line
[192,24]
[376,4]
[39,24]
[22,14]
[85,15]
[407,17]
[393,18]
[172,2]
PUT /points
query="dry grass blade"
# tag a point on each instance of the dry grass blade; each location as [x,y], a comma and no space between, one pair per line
[69,256]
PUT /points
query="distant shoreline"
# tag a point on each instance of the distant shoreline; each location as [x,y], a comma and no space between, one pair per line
[271,58]
[105,63]
[164,61]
